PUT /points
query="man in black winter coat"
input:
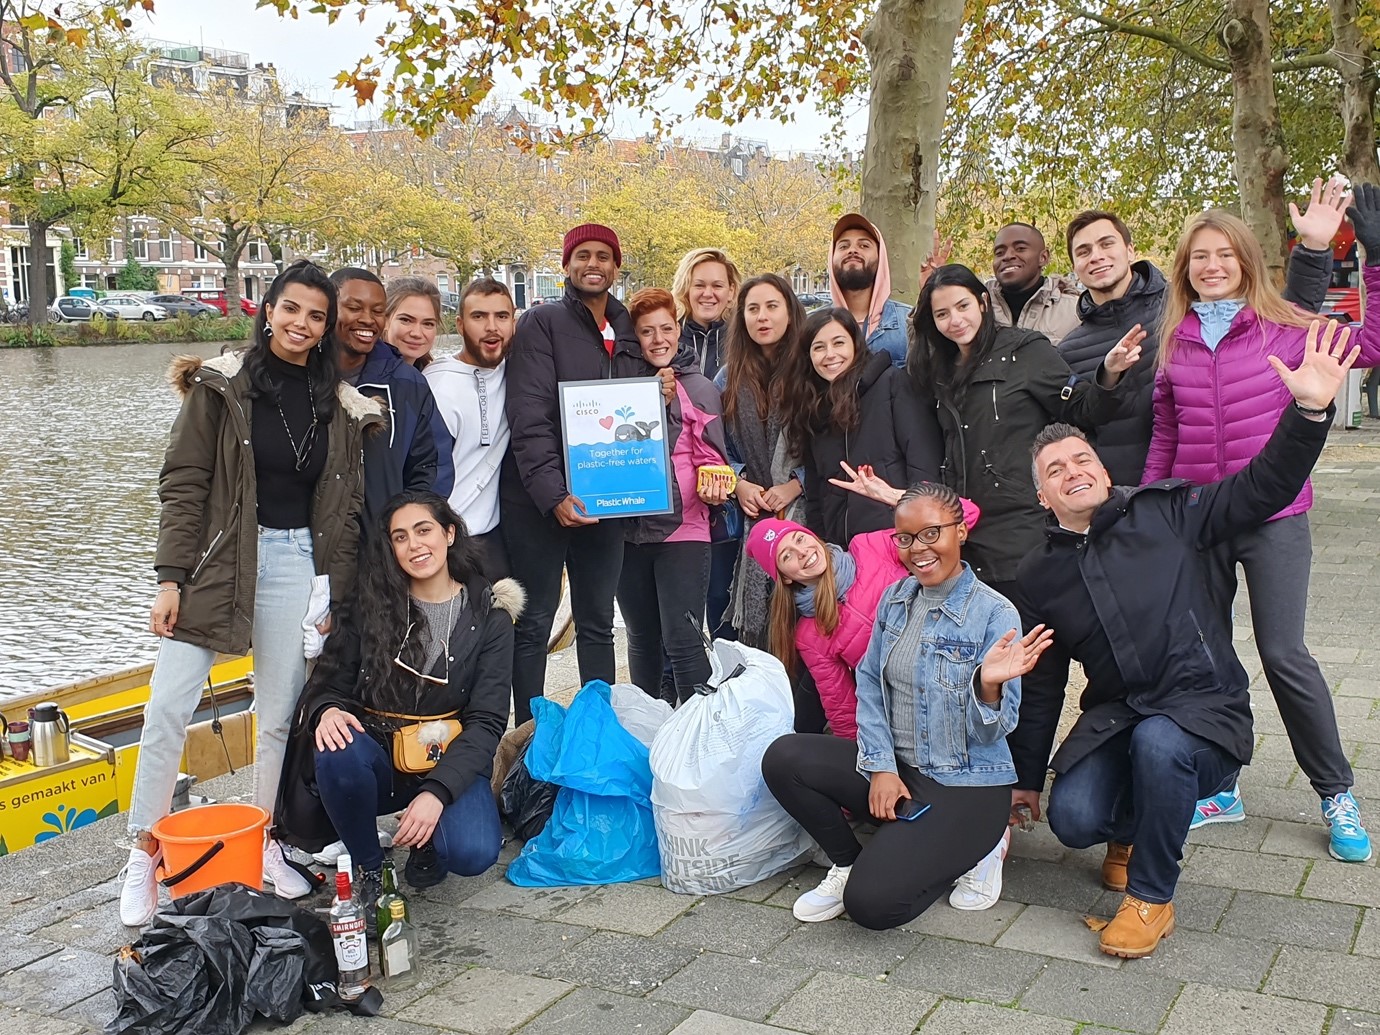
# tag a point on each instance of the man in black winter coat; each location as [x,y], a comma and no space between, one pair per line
[1122,581]
[586,336]
[1121,291]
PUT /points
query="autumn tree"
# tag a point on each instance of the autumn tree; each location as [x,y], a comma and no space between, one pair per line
[1160,112]
[438,60]
[263,161]
[84,134]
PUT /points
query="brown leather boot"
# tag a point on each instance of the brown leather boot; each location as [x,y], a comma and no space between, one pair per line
[1114,866]
[1137,928]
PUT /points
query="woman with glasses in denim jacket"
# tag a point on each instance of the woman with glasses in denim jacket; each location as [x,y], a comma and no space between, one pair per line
[938,691]
[425,639]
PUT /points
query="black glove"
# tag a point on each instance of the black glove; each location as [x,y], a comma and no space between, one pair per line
[1364,214]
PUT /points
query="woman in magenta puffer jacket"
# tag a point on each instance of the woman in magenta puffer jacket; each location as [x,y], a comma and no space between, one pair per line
[1216,401]
[830,632]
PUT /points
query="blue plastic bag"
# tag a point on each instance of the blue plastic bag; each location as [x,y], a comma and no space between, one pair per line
[601,830]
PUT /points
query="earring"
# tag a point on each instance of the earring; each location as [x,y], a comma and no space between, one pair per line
[450,542]
[268,332]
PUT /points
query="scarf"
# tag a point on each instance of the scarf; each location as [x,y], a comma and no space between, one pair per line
[845,574]
[766,461]
[1214,319]
[881,289]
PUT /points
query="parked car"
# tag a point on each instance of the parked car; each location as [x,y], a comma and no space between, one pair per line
[71,309]
[179,304]
[131,308]
[812,301]
[216,297]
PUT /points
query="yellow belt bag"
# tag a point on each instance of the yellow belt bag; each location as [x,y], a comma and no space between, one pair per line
[419,744]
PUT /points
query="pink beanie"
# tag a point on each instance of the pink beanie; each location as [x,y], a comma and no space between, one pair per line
[579,235]
[766,536]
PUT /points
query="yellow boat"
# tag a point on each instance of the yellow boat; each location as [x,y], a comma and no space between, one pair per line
[106,715]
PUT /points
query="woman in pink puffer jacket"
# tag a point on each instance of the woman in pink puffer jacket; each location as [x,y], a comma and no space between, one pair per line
[1217,399]
[829,634]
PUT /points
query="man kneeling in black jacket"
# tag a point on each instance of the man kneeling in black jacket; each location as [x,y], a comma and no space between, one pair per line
[1166,717]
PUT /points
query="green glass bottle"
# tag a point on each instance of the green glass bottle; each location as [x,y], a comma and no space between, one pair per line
[383,907]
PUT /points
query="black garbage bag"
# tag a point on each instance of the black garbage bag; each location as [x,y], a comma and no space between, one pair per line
[216,959]
[526,802]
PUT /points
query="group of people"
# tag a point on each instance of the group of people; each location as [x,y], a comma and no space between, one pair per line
[936,509]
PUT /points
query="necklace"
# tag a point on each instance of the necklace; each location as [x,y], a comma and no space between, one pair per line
[301,454]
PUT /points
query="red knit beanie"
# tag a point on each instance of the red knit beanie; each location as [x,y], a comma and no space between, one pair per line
[590,232]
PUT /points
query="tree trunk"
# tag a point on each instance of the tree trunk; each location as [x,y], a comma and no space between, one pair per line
[910,44]
[1256,133]
[1360,76]
[233,242]
[38,272]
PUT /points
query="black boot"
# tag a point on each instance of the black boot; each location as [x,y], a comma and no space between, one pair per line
[423,869]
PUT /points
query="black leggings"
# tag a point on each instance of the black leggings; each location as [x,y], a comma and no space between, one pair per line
[660,584]
[907,865]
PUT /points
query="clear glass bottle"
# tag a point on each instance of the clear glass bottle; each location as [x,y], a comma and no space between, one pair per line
[383,916]
[348,925]
[399,955]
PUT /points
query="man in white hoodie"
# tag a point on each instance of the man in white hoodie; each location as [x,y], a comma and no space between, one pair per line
[470,391]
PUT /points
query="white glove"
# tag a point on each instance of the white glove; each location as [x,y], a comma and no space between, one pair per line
[318,607]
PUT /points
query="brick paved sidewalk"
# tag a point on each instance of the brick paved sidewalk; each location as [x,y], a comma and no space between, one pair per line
[1273,936]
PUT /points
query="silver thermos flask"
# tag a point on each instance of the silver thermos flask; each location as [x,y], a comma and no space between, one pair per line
[50,733]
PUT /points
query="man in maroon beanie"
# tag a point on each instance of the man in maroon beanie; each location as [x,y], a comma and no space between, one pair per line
[586,336]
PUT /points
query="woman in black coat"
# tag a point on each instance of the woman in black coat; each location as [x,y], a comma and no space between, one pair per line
[407,708]
[841,403]
[997,387]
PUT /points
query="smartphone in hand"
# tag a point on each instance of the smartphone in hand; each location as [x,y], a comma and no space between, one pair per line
[908,809]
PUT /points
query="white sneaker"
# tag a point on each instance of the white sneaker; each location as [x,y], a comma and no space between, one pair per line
[331,854]
[139,893]
[287,882]
[825,901]
[980,887]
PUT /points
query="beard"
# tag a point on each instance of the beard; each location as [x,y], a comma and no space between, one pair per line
[478,358]
[855,278]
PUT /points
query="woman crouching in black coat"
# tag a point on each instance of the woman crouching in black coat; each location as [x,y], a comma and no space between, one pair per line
[411,698]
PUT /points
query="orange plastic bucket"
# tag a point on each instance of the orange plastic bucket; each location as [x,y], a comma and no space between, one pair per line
[211,844]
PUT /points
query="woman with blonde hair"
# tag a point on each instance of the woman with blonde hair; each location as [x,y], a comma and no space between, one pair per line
[704,287]
[1216,402]
[413,318]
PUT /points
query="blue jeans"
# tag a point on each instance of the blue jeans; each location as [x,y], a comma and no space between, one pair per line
[358,784]
[281,593]
[1140,788]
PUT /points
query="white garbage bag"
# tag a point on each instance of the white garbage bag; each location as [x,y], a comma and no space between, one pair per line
[718,826]
[637,713]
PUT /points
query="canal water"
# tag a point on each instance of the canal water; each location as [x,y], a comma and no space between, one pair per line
[83,433]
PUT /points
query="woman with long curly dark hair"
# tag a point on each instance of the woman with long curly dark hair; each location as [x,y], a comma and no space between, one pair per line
[407,708]
[261,490]
[764,327]
[841,403]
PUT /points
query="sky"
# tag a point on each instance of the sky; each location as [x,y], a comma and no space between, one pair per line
[308,54]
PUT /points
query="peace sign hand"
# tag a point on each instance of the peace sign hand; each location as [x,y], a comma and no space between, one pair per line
[1125,353]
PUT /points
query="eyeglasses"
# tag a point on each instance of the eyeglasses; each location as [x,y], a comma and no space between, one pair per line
[904,540]
[438,680]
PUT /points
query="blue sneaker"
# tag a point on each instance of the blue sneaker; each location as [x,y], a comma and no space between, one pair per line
[1220,808]
[1348,840]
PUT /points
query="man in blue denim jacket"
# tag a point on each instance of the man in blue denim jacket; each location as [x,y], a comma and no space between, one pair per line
[938,691]
[1122,580]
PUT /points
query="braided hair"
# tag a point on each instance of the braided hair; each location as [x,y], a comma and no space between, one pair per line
[937,491]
